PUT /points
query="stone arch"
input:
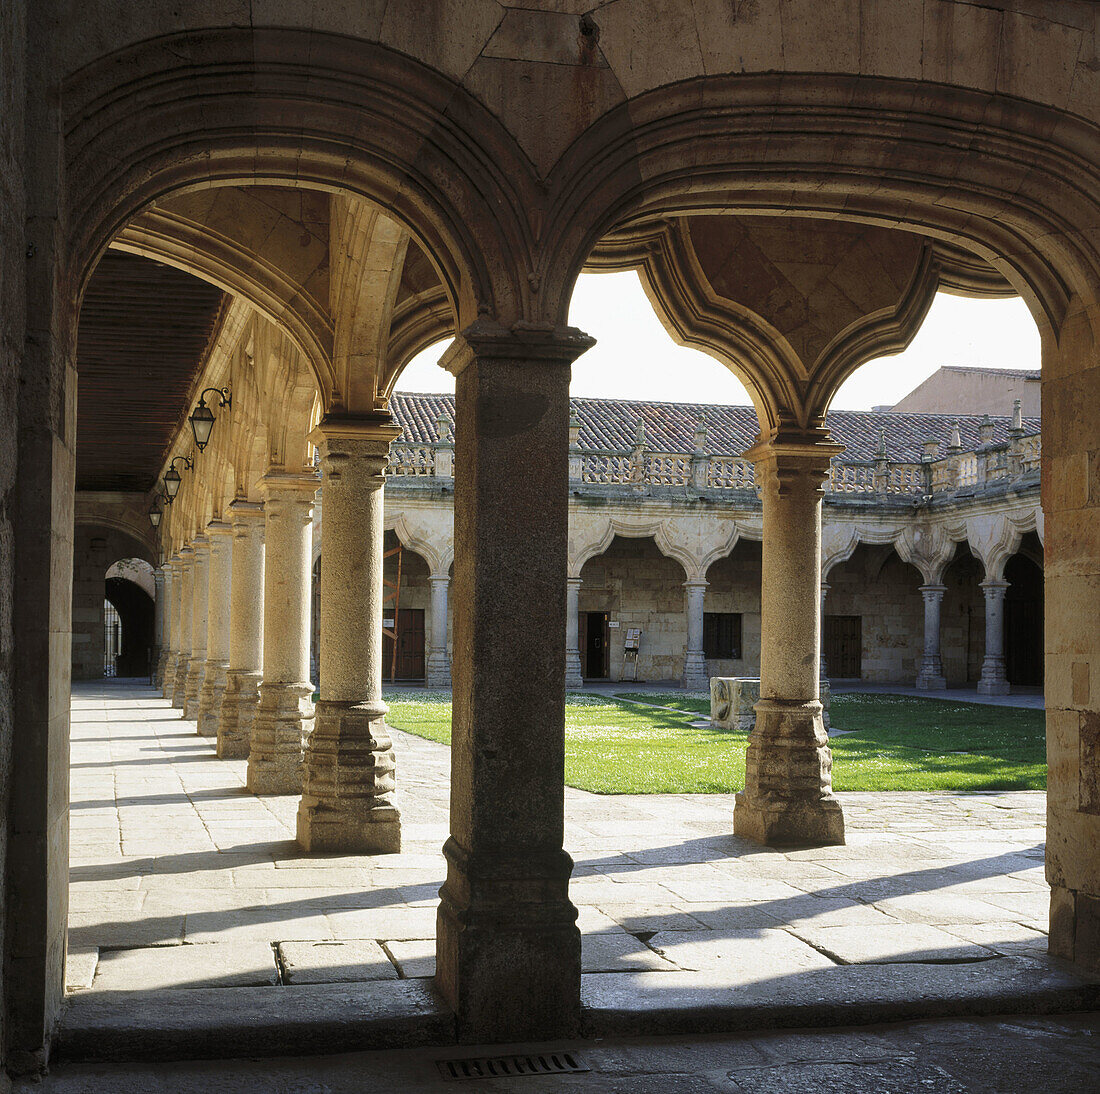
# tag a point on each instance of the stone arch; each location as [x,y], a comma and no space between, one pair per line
[631,529]
[424,149]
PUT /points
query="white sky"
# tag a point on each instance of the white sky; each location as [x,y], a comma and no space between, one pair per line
[634,358]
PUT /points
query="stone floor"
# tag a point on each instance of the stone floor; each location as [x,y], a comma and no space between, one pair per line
[181,879]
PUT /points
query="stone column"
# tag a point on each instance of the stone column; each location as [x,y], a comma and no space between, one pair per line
[930,677]
[994,681]
[348,778]
[172,625]
[200,592]
[696,677]
[574,670]
[246,631]
[284,714]
[507,944]
[187,582]
[158,624]
[218,586]
[438,674]
[823,668]
[788,798]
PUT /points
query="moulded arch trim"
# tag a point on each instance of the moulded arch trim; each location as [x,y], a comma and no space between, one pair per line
[412,541]
[631,529]
[149,548]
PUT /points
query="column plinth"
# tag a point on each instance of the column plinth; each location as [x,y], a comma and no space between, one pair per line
[574,671]
[284,714]
[349,777]
[507,944]
[196,665]
[212,695]
[187,579]
[438,668]
[788,798]
[994,680]
[243,674]
[930,675]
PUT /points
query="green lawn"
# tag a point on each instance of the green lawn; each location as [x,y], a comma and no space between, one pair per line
[614,746]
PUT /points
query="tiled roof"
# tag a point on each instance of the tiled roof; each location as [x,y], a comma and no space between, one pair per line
[670,427]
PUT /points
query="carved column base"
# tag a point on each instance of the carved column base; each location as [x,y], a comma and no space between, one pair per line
[437,672]
[574,674]
[788,798]
[242,696]
[993,681]
[930,677]
[196,673]
[210,698]
[284,716]
[179,682]
[508,952]
[696,677]
[168,676]
[348,780]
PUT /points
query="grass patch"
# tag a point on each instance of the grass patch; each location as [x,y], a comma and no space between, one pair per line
[613,746]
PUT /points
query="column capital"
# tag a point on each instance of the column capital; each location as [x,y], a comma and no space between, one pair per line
[290,485]
[931,588]
[350,429]
[523,340]
[995,588]
[241,511]
[791,458]
[437,579]
[200,544]
[216,530]
[187,552]
[578,581]
[696,583]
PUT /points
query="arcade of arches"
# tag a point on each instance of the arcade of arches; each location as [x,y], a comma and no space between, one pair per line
[291,202]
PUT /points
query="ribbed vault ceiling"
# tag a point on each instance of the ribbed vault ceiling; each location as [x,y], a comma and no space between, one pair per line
[144,328]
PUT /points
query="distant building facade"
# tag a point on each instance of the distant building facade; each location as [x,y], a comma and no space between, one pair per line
[960,389]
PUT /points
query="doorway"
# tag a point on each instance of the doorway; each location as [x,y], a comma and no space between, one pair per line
[1023,622]
[595,641]
[843,641]
[409,662]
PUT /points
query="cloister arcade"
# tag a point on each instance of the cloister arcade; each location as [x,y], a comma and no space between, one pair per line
[358,186]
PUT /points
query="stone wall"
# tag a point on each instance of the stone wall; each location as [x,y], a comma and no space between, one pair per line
[735,587]
[639,587]
[95,550]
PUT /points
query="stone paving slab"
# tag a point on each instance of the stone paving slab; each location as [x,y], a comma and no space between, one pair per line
[335,962]
[886,943]
[219,965]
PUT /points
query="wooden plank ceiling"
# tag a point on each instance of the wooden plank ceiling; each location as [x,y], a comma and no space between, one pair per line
[144,329]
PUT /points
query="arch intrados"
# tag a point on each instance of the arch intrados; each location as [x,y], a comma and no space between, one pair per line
[709,144]
[146,546]
[595,550]
[422,147]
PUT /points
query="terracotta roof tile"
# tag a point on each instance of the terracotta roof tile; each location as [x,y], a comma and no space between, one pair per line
[670,427]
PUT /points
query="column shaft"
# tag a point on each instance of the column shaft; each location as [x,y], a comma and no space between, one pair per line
[187,580]
[439,662]
[246,631]
[788,797]
[574,670]
[284,715]
[695,665]
[930,677]
[200,593]
[160,588]
[172,623]
[994,681]
[348,778]
[220,534]
[508,948]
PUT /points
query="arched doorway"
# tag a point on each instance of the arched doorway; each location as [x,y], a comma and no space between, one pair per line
[1024,616]
[128,593]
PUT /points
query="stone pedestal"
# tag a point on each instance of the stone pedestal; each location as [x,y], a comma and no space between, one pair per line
[930,677]
[284,714]
[200,592]
[508,948]
[246,631]
[994,681]
[733,702]
[574,672]
[695,676]
[438,669]
[788,798]
[220,535]
[348,780]
[187,581]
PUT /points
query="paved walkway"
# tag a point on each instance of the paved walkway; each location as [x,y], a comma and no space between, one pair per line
[180,878]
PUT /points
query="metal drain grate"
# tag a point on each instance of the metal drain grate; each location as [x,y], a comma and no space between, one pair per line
[499,1067]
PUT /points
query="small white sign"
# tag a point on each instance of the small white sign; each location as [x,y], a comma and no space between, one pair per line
[387,621]
[614,623]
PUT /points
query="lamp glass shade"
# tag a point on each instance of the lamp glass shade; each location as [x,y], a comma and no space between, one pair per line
[171,483]
[154,517]
[202,422]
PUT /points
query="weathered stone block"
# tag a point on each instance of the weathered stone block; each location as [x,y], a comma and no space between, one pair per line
[733,701]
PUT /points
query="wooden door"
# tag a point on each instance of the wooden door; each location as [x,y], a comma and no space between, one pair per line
[843,641]
[596,635]
[410,647]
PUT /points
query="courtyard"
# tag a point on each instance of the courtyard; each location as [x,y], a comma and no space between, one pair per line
[196,920]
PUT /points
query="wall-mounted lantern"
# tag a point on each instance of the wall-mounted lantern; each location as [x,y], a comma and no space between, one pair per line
[202,421]
[155,512]
[172,478]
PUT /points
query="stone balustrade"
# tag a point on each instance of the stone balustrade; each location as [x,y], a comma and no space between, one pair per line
[642,468]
